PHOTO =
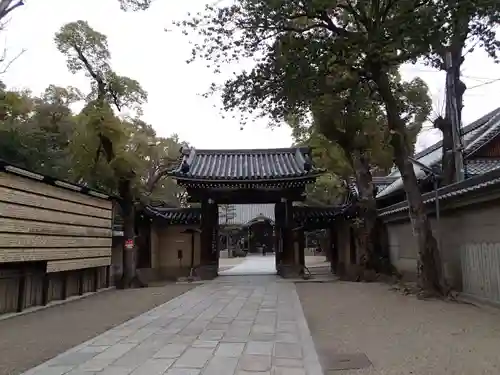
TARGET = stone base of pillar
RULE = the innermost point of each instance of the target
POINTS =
(207, 272)
(290, 271)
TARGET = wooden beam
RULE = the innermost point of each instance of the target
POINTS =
(242, 196)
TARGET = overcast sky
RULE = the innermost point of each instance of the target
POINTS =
(141, 49)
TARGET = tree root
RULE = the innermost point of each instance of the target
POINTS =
(412, 288)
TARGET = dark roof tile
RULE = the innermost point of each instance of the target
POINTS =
(481, 166)
(245, 165)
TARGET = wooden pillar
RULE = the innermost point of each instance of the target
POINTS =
(334, 249)
(301, 258)
(288, 261)
(214, 248)
(21, 291)
(209, 240)
(205, 236)
(279, 217)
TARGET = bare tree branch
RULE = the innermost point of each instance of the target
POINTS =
(3, 59)
(7, 6)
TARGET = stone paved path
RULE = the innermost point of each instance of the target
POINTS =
(234, 325)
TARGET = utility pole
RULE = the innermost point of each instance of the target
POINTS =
(452, 114)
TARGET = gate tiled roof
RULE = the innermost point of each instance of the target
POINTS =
(245, 165)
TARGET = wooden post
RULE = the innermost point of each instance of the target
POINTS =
(214, 213)
(205, 237)
(279, 216)
(301, 243)
(289, 267)
(208, 240)
(21, 291)
(334, 249)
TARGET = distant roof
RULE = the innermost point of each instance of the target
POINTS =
(261, 165)
(241, 214)
(260, 219)
(475, 135)
(482, 183)
(13, 169)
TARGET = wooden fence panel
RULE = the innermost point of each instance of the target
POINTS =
(481, 271)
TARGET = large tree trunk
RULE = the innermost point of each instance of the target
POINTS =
(445, 124)
(430, 268)
(129, 279)
(368, 214)
(460, 33)
(447, 161)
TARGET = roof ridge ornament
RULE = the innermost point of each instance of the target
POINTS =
(302, 154)
(188, 154)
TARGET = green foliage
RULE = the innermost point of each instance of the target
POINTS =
(85, 49)
(329, 188)
(465, 24)
(43, 135)
(293, 41)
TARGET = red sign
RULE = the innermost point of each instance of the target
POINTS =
(129, 244)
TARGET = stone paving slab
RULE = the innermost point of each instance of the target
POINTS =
(232, 326)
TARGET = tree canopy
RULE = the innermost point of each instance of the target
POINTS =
(42, 134)
(327, 48)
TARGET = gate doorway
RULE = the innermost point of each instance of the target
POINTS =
(243, 204)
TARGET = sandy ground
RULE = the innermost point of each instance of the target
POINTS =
(28, 340)
(400, 334)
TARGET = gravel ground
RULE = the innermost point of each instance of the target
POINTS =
(400, 334)
(28, 340)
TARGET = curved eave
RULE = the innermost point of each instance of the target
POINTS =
(193, 180)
